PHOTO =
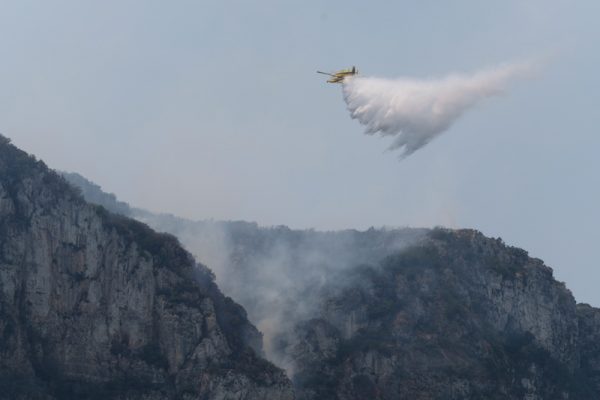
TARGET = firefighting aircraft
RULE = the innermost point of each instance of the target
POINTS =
(339, 76)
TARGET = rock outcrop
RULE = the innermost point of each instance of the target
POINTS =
(94, 305)
(589, 345)
(458, 316)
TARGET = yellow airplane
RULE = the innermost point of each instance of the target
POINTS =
(339, 76)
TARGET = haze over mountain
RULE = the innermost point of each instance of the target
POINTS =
(398, 313)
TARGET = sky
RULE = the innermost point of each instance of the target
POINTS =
(212, 109)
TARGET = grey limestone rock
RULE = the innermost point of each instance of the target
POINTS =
(95, 305)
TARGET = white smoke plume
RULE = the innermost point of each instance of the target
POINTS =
(418, 110)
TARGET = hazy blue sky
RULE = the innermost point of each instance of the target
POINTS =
(213, 109)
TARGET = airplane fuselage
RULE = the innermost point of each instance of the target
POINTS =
(339, 76)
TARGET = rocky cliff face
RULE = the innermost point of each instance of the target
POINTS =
(94, 305)
(403, 314)
(589, 345)
(459, 316)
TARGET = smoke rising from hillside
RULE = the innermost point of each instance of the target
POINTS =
(415, 111)
(280, 276)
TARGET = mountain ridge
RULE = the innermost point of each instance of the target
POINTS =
(95, 305)
(419, 314)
